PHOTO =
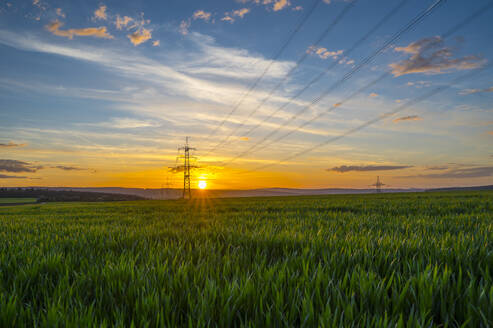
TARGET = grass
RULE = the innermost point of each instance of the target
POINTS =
(17, 200)
(383, 260)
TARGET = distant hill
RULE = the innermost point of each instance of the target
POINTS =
(51, 195)
(463, 188)
(169, 193)
(117, 193)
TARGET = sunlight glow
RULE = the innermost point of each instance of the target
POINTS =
(202, 184)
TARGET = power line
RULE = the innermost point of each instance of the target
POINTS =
(377, 119)
(445, 35)
(281, 82)
(348, 75)
(333, 64)
(267, 68)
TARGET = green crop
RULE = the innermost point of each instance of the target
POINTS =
(382, 260)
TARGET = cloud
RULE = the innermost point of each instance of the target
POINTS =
(10, 144)
(430, 56)
(367, 168)
(122, 22)
(100, 13)
(419, 84)
(323, 52)
(459, 173)
(228, 19)
(156, 43)
(408, 118)
(244, 138)
(229, 16)
(327, 1)
(3, 176)
(98, 32)
(373, 95)
(125, 123)
(210, 75)
(437, 168)
(184, 26)
(68, 168)
(241, 12)
(297, 8)
(490, 132)
(60, 13)
(280, 5)
(140, 36)
(12, 165)
(471, 91)
(200, 14)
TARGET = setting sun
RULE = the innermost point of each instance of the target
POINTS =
(202, 184)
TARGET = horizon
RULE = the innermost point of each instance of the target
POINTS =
(294, 94)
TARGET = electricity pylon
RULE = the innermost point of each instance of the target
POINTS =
(186, 169)
(378, 185)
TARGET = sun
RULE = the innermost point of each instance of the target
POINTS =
(202, 184)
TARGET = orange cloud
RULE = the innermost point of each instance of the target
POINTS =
(408, 118)
(430, 56)
(200, 14)
(280, 5)
(323, 52)
(100, 13)
(140, 36)
(121, 22)
(98, 32)
(156, 43)
(229, 17)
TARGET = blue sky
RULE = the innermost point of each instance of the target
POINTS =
(101, 93)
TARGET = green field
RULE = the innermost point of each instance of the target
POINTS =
(380, 260)
(17, 200)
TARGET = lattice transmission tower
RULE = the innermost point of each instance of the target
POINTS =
(186, 169)
(378, 185)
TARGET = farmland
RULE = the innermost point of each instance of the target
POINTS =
(423, 259)
(17, 200)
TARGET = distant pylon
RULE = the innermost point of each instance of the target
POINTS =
(186, 169)
(378, 185)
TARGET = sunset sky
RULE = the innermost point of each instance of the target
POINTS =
(102, 93)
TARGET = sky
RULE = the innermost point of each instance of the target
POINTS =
(272, 93)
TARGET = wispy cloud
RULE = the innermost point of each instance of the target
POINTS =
(200, 14)
(122, 22)
(100, 13)
(408, 118)
(471, 91)
(125, 123)
(323, 52)
(11, 144)
(185, 26)
(3, 176)
(140, 36)
(458, 173)
(60, 12)
(156, 43)
(280, 5)
(68, 168)
(367, 168)
(431, 56)
(230, 16)
(373, 95)
(98, 32)
(15, 166)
